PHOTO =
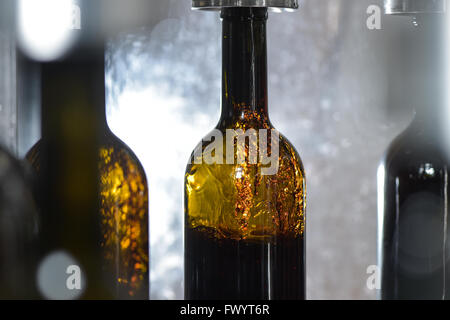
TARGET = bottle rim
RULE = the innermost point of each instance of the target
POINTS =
(413, 7)
(219, 4)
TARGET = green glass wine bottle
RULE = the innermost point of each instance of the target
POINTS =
(91, 188)
(244, 230)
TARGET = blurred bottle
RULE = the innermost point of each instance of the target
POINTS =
(90, 187)
(19, 222)
(19, 228)
(413, 178)
(8, 124)
(245, 230)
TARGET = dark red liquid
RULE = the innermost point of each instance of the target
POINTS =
(243, 269)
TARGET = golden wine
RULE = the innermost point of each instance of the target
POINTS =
(244, 231)
(124, 217)
(123, 213)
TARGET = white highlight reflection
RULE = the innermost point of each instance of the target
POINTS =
(381, 176)
(44, 27)
(52, 277)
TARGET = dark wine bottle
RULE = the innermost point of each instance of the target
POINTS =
(91, 188)
(413, 178)
(19, 221)
(244, 230)
(19, 231)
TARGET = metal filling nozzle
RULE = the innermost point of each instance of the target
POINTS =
(412, 7)
(219, 4)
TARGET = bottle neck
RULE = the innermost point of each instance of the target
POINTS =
(73, 86)
(244, 66)
(73, 90)
(429, 92)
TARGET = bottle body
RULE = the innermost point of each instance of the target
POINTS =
(414, 215)
(244, 232)
(122, 217)
(19, 232)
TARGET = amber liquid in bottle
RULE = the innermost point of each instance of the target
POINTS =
(244, 231)
(79, 159)
(413, 178)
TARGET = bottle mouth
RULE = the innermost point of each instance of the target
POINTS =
(220, 4)
(244, 13)
(414, 7)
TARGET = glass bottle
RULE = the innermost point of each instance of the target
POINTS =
(19, 231)
(91, 188)
(244, 230)
(19, 221)
(413, 179)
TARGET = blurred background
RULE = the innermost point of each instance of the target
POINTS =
(335, 90)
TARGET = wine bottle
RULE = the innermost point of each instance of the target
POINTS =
(413, 178)
(244, 230)
(91, 188)
(19, 231)
(19, 222)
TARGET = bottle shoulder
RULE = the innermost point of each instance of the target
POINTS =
(241, 197)
(33, 155)
(111, 150)
(219, 137)
(413, 153)
(416, 142)
(291, 150)
(17, 205)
